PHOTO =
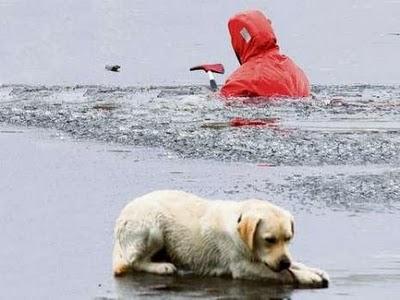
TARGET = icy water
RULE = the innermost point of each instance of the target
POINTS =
(339, 125)
(332, 160)
(343, 128)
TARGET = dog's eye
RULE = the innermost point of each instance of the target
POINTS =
(270, 240)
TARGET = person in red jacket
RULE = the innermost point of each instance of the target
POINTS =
(264, 71)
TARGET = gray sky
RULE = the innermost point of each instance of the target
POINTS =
(155, 42)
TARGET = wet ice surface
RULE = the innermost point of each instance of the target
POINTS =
(333, 161)
(59, 200)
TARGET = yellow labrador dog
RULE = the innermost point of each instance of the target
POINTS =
(247, 239)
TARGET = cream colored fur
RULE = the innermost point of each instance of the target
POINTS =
(210, 238)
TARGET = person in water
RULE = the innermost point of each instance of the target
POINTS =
(263, 71)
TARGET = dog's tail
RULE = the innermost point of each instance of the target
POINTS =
(119, 263)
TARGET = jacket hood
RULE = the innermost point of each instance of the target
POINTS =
(251, 34)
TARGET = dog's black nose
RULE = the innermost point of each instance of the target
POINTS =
(284, 264)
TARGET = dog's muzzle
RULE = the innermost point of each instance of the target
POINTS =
(284, 264)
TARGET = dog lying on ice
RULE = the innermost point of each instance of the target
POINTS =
(246, 240)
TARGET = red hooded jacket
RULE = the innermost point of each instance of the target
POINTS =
(264, 71)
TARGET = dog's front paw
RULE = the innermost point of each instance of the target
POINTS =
(309, 277)
(322, 274)
(164, 268)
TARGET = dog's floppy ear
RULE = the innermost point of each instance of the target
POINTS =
(247, 227)
(292, 225)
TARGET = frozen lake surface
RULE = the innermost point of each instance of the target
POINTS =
(156, 42)
(59, 199)
(333, 160)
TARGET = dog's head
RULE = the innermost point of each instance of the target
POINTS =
(267, 230)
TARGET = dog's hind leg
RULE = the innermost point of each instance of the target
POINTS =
(135, 245)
